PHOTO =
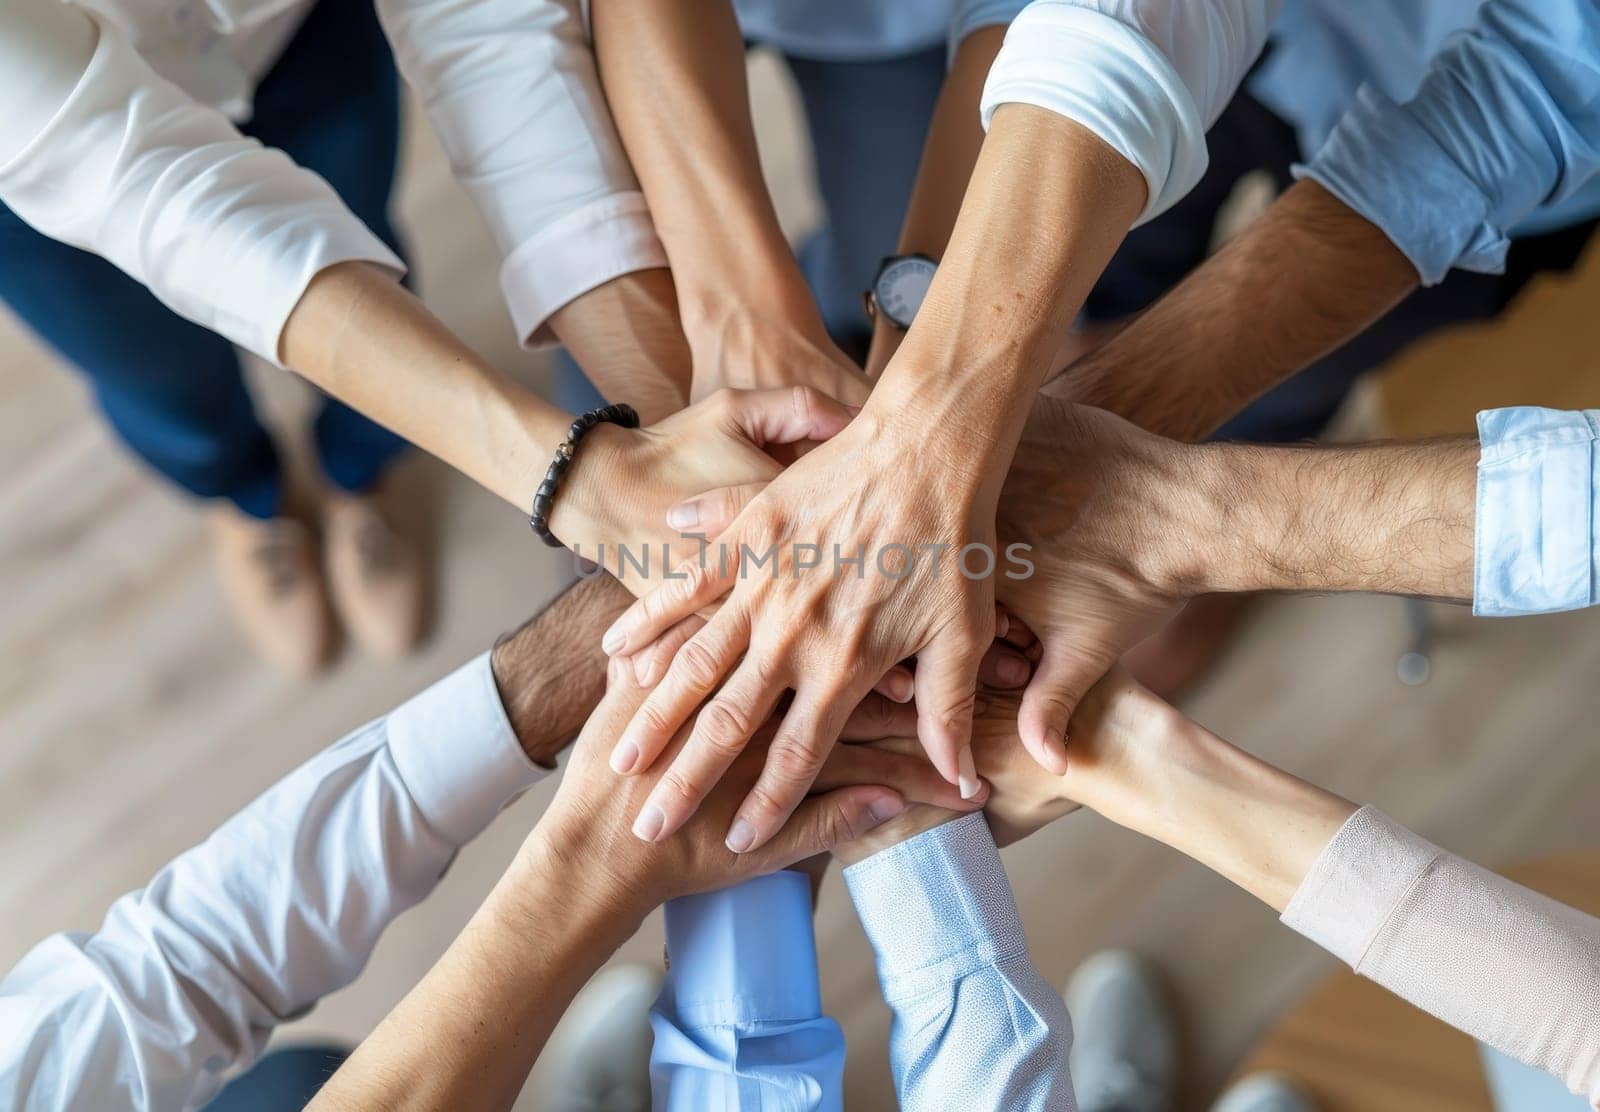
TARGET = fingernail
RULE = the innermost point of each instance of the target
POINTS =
(1012, 669)
(624, 757)
(741, 836)
(685, 515)
(882, 810)
(967, 773)
(613, 640)
(647, 827)
(900, 688)
(1002, 623)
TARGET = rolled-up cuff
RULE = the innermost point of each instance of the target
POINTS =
(1356, 883)
(588, 247)
(1534, 543)
(1389, 168)
(936, 907)
(457, 753)
(1107, 77)
(744, 955)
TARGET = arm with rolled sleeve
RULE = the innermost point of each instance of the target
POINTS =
(1506, 120)
(1536, 549)
(739, 1023)
(975, 1025)
(1148, 77)
(125, 164)
(186, 979)
(511, 88)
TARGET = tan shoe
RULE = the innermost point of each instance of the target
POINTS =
(273, 579)
(375, 573)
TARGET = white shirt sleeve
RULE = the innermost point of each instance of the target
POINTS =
(512, 91)
(1511, 968)
(185, 979)
(1146, 76)
(226, 232)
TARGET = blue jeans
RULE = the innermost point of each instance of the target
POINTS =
(282, 1081)
(174, 391)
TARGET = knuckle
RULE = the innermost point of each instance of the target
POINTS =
(725, 728)
(837, 825)
(797, 759)
(768, 806)
(697, 664)
(654, 719)
(679, 785)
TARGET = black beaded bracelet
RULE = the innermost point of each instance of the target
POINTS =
(545, 496)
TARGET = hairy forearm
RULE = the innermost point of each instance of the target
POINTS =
(1392, 518)
(466, 1036)
(1306, 277)
(551, 673)
(628, 339)
(1047, 205)
(674, 75)
(370, 343)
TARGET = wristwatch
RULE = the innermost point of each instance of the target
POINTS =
(897, 292)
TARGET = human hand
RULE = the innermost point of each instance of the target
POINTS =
(746, 347)
(1121, 733)
(612, 505)
(585, 829)
(803, 622)
(1113, 519)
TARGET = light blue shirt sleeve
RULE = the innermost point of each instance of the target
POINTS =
(975, 1025)
(1506, 120)
(739, 1023)
(1535, 541)
(973, 15)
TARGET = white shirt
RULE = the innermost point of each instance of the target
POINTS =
(1498, 131)
(185, 979)
(139, 161)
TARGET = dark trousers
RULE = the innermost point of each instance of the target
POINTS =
(175, 392)
(282, 1081)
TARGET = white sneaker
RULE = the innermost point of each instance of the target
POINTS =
(1264, 1092)
(1125, 1042)
(598, 1057)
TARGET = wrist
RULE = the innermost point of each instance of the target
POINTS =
(914, 820)
(583, 514)
(1217, 495)
(1246, 820)
(559, 865)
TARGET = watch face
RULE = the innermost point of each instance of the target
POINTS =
(901, 288)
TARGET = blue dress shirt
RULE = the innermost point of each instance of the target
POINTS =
(739, 1024)
(1452, 125)
(1535, 534)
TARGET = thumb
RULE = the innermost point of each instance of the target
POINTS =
(1060, 681)
(946, 689)
(787, 415)
(824, 822)
(710, 514)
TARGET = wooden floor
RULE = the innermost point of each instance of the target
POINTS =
(132, 720)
